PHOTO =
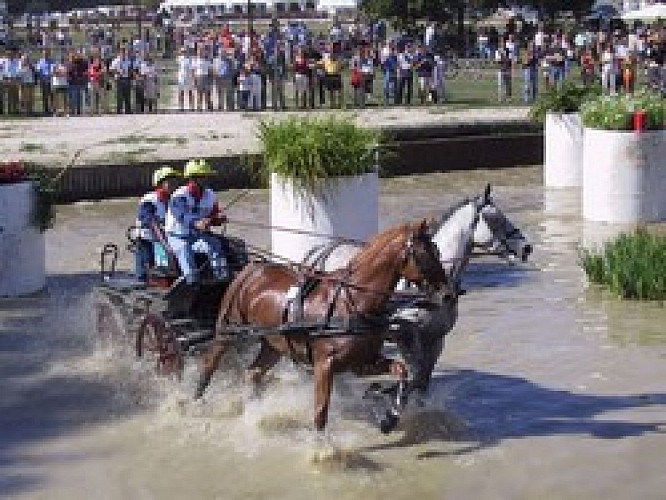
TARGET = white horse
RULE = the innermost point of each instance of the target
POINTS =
(472, 223)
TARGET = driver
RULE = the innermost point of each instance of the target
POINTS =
(150, 220)
(192, 211)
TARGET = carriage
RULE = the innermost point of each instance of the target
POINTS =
(349, 317)
(165, 318)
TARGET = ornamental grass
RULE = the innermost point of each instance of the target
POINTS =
(308, 151)
(567, 98)
(616, 112)
(633, 266)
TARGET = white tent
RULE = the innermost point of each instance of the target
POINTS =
(651, 12)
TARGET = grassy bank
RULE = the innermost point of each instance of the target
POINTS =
(633, 266)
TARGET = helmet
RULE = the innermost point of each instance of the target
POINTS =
(162, 173)
(197, 168)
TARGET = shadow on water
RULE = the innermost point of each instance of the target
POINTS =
(38, 404)
(496, 407)
(494, 273)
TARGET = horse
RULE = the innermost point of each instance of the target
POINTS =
(260, 296)
(471, 224)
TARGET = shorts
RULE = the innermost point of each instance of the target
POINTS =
(334, 82)
(300, 82)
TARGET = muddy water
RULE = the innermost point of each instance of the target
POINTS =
(548, 388)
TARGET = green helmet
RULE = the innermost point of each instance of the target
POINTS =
(162, 173)
(198, 168)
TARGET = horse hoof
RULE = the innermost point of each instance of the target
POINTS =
(388, 423)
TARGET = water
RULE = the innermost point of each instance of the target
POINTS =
(548, 387)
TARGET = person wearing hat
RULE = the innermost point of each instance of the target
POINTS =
(151, 216)
(192, 210)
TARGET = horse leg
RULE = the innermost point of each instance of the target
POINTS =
(210, 362)
(323, 381)
(391, 417)
(266, 359)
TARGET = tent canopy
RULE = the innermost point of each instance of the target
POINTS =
(651, 12)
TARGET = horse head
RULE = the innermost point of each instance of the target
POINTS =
(495, 234)
(421, 263)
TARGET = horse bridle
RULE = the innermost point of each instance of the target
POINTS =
(423, 261)
(501, 243)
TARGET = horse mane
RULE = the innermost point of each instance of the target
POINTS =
(446, 214)
(378, 242)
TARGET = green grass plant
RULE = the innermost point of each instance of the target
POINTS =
(633, 266)
(308, 151)
(616, 112)
(567, 98)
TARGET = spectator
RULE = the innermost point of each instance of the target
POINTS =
(356, 82)
(77, 80)
(59, 87)
(424, 69)
(27, 85)
(224, 68)
(185, 80)
(439, 79)
(333, 78)
(44, 71)
(405, 76)
(138, 81)
(202, 70)
(300, 80)
(151, 83)
(12, 81)
(278, 74)
(504, 66)
(121, 68)
(530, 64)
(390, 73)
(608, 70)
(96, 85)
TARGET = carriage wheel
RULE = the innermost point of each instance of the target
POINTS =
(155, 341)
(110, 324)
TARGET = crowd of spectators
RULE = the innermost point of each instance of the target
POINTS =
(614, 59)
(220, 69)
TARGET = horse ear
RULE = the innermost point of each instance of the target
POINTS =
(486, 193)
(424, 228)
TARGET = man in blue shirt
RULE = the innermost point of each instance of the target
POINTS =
(389, 70)
(44, 70)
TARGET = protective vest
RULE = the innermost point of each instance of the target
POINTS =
(160, 207)
(184, 210)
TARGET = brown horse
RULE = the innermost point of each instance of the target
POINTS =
(259, 297)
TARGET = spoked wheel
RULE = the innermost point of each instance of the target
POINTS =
(110, 323)
(155, 341)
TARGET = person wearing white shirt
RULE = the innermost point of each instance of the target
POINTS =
(27, 84)
(121, 68)
(3, 89)
(185, 80)
(12, 80)
(405, 76)
(59, 87)
(608, 71)
(202, 67)
(224, 69)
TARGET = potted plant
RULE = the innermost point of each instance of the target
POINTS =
(624, 170)
(323, 179)
(563, 133)
(26, 211)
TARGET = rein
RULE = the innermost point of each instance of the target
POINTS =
(341, 239)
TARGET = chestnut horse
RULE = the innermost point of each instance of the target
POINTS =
(259, 296)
